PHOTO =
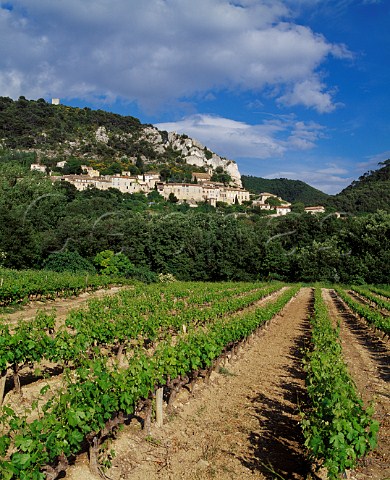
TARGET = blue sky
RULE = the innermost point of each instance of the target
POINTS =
(287, 88)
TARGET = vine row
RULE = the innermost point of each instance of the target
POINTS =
(372, 316)
(21, 286)
(373, 299)
(336, 427)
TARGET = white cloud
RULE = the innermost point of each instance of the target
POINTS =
(156, 51)
(309, 92)
(270, 139)
(269, 143)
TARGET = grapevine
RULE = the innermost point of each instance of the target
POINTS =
(337, 429)
(372, 316)
(99, 390)
(21, 286)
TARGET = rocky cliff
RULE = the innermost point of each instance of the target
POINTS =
(192, 151)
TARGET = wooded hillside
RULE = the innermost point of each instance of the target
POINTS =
(368, 194)
(291, 190)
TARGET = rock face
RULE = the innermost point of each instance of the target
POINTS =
(192, 151)
(101, 135)
(147, 143)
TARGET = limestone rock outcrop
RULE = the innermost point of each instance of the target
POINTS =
(192, 151)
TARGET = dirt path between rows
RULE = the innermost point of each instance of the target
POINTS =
(368, 361)
(243, 425)
(62, 306)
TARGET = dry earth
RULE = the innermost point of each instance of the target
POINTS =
(61, 306)
(243, 425)
(368, 360)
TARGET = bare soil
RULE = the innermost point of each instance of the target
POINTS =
(61, 306)
(31, 386)
(244, 424)
(368, 360)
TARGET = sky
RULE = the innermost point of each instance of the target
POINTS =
(295, 89)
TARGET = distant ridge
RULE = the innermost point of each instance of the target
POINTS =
(291, 190)
(371, 192)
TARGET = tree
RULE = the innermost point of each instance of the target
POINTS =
(68, 262)
(113, 169)
(298, 207)
(172, 198)
(109, 263)
(140, 164)
(221, 176)
(73, 167)
(154, 196)
(273, 201)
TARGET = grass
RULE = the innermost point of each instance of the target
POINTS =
(225, 371)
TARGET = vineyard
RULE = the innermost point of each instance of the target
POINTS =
(68, 384)
(22, 286)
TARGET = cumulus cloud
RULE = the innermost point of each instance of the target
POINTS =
(309, 92)
(269, 139)
(157, 51)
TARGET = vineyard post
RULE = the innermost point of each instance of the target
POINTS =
(16, 378)
(159, 407)
(93, 457)
(2, 385)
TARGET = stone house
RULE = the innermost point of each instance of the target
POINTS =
(314, 210)
(283, 209)
(37, 167)
(200, 177)
(189, 192)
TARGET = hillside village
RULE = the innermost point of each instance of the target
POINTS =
(51, 223)
(203, 189)
(119, 152)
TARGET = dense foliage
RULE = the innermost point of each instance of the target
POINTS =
(46, 225)
(291, 190)
(58, 133)
(28, 124)
(368, 194)
(41, 220)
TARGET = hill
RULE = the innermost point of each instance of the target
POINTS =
(112, 143)
(291, 190)
(106, 141)
(371, 192)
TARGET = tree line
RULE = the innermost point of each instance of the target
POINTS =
(41, 221)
